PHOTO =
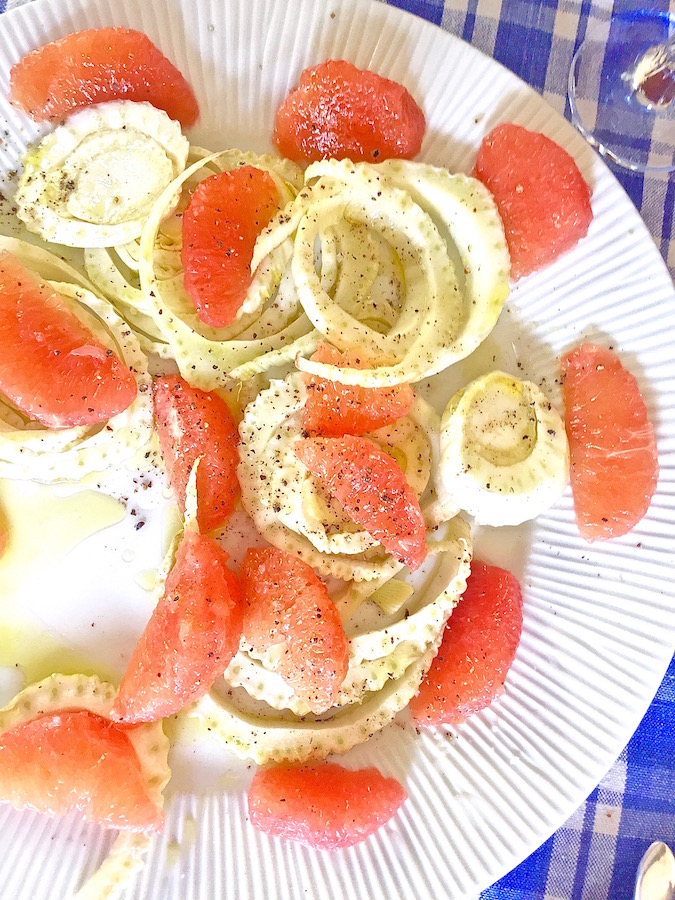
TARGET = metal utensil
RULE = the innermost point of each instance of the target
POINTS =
(655, 878)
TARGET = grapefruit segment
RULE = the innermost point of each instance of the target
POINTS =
(96, 65)
(323, 806)
(333, 409)
(541, 196)
(614, 460)
(341, 111)
(287, 604)
(76, 760)
(191, 424)
(52, 368)
(479, 644)
(372, 490)
(190, 639)
(223, 218)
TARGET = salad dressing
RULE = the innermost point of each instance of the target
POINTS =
(146, 579)
(43, 525)
(35, 653)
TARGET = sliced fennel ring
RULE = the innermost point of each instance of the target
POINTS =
(108, 273)
(258, 732)
(381, 647)
(438, 585)
(31, 451)
(504, 453)
(286, 502)
(453, 222)
(269, 687)
(93, 180)
(430, 305)
(81, 692)
(427, 271)
(466, 215)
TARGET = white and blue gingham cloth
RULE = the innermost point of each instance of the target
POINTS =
(595, 853)
(537, 39)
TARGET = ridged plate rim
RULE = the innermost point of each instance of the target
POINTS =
(485, 796)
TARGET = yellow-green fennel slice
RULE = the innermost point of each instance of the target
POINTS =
(92, 181)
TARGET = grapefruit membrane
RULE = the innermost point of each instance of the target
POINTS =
(95, 65)
(60, 752)
(224, 216)
(287, 607)
(614, 459)
(94, 752)
(333, 409)
(191, 424)
(28, 451)
(541, 195)
(478, 647)
(341, 111)
(324, 806)
(53, 368)
(372, 489)
(190, 638)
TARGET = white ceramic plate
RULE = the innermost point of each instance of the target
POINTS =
(599, 620)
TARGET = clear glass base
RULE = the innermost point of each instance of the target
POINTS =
(632, 128)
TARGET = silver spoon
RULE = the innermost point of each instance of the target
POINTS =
(655, 878)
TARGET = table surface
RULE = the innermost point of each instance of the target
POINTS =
(593, 856)
(595, 853)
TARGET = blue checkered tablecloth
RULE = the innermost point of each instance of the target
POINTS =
(595, 853)
(537, 39)
(593, 856)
